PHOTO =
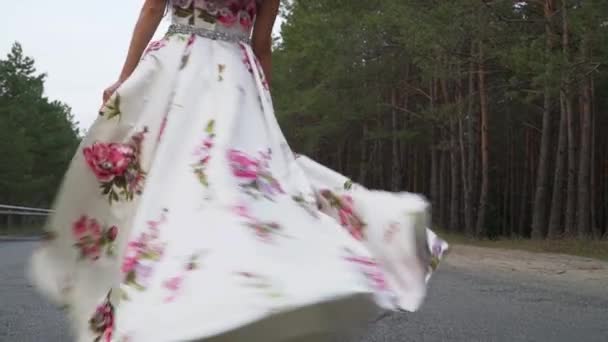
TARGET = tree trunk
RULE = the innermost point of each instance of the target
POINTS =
(363, 166)
(483, 102)
(597, 233)
(434, 161)
(514, 182)
(570, 215)
(434, 180)
(583, 224)
(454, 203)
(472, 150)
(443, 189)
(396, 153)
(539, 211)
(523, 213)
(339, 153)
(555, 229)
(463, 165)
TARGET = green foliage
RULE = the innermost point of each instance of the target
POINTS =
(37, 136)
(372, 88)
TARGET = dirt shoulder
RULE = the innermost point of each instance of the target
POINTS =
(559, 268)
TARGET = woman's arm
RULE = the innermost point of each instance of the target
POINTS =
(261, 41)
(149, 18)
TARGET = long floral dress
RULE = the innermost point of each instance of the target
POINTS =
(184, 214)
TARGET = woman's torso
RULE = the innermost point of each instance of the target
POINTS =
(230, 16)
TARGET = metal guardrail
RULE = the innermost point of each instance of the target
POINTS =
(21, 218)
(24, 209)
(22, 213)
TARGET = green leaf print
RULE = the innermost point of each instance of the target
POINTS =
(112, 108)
(221, 68)
(210, 127)
(183, 12)
(207, 17)
(434, 262)
(348, 185)
(203, 153)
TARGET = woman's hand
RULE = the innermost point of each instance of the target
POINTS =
(107, 93)
(150, 16)
(110, 90)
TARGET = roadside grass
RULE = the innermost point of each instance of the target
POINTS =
(584, 248)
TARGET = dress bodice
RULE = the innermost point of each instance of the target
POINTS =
(235, 17)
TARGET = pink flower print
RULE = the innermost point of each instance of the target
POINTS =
(245, 19)
(91, 238)
(371, 270)
(156, 45)
(93, 252)
(174, 283)
(208, 143)
(163, 124)
(245, 57)
(266, 231)
(348, 219)
(79, 228)
(342, 207)
(251, 8)
(254, 175)
(108, 160)
(226, 17)
(242, 211)
(143, 254)
(129, 263)
(235, 7)
(243, 166)
(190, 41)
(134, 179)
(117, 167)
(95, 228)
(102, 322)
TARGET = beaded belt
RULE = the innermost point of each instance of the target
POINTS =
(207, 33)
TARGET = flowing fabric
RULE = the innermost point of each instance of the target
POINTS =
(184, 214)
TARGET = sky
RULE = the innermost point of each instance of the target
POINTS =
(80, 45)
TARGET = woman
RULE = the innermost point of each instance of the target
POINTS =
(184, 215)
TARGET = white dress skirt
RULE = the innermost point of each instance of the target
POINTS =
(184, 214)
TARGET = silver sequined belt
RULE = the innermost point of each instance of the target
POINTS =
(206, 33)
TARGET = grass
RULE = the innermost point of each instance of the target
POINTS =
(583, 248)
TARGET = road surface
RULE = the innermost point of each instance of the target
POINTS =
(464, 304)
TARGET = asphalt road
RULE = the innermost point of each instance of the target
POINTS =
(463, 305)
